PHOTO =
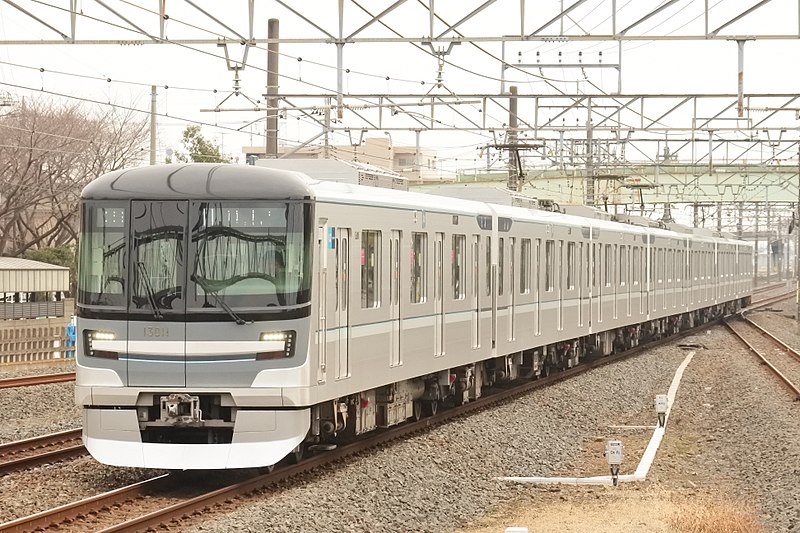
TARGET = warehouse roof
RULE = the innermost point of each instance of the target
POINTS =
(25, 275)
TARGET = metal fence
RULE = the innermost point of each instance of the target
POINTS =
(15, 311)
(34, 331)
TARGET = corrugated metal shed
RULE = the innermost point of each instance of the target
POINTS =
(24, 275)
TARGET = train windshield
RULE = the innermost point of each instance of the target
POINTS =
(250, 255)
(103, 256)
(170, 257)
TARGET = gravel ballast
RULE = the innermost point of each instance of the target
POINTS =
(445, 477)
(38, 410)
(733, 431)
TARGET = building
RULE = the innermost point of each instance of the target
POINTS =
(33, 311)
(379, 151)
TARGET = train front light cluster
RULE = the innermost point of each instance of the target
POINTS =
(95, 344)
(276, 345)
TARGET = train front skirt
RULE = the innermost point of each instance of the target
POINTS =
(260, 438)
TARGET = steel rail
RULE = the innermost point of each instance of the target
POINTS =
(788, 349)
(767, 288)
(42, 448)
(786, 381)
(43, 379)
(45, 519)
(770, 300)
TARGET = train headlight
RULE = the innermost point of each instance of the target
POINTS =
(99, 344)
(276, 345)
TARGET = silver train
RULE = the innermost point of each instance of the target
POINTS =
(231, 316)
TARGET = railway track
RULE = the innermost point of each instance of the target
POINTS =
(43, 379)
(782, 360)
(769, 300)
(153, 504)
(770, 287)
(40, 450)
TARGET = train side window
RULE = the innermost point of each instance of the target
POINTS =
(500, 265)
(623, 267)
(525, 267)
(459, 266)
(637, 260)
(419, 267)
(488, 266)
(608, 269)
(570, 265)
(549, 258)
(370, 269)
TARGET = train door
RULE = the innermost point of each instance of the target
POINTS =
(512, 289)
(157, 347)
(476, 306)
(537, 288)
(626, 266)
(394, 297)
(342, 306)
(438, 292)
(580, 284)
(599, 272)
(614, 277)
(322, 302)
(560, 269)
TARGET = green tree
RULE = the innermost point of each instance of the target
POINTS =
(198, 148)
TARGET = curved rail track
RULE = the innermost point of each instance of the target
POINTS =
(786, 357)
(37, 451)
(42, 379)
(112, 510)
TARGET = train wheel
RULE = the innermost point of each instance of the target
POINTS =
(417, 409)
(298, 453)
(432, 407)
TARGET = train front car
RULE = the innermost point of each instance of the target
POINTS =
(193, 315)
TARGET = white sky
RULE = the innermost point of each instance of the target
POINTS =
(648, 67)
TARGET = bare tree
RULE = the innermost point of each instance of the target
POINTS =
(48, 153)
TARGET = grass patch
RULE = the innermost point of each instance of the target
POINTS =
(716, 516)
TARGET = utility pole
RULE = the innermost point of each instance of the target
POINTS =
(514, 177)
(755, 260)
(589, 180)
(327, 149)
(272, 88)
(153, 96)
(416, 154)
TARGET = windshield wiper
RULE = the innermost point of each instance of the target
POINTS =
(151, 295)
(239, 320)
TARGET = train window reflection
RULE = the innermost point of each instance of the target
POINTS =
(103, 256)
(250, 255)
(459, 266)
(370, 268)
(419, 267)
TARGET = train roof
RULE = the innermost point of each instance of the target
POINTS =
(200, 181)
(226, 181)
